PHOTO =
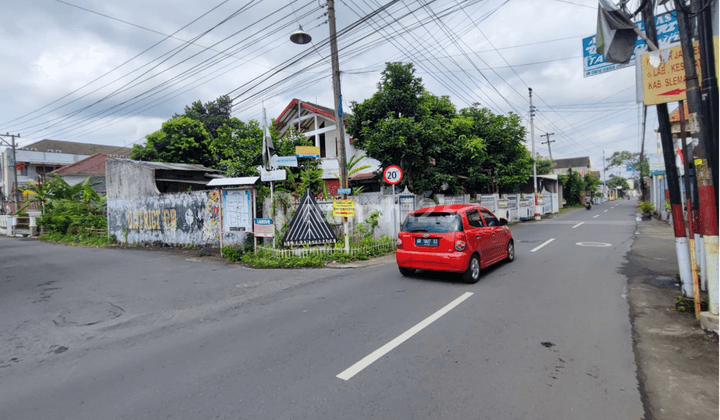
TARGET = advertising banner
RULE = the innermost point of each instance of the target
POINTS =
(594, 63)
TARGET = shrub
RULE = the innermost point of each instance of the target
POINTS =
(230, 253)
(646, 207)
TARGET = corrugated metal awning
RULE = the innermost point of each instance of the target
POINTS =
(222, 182)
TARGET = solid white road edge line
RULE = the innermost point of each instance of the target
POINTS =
(596, 216)
(542, 244)
(578, 225)
(372, 357)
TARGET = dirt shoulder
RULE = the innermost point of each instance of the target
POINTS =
(677, 360)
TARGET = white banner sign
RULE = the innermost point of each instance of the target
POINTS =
(277, 161)
(278, 175)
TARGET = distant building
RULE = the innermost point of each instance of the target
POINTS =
(578, 164)
(93, 167)
(36, 160)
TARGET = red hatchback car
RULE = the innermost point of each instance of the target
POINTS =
(458, 238)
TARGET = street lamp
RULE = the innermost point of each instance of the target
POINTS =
(300, 37)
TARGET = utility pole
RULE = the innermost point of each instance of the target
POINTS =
(337, 92)
(547, 135)
(642, 154)
(709, 88)
(688, 206)
(704, 152)
(532, 137)
(12, 145)
(605, 190)
(338, 110)
(681, 242)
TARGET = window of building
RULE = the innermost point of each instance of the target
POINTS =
(321, 141)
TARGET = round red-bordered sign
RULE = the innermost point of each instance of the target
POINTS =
(392, 174)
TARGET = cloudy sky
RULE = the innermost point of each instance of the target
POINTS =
(112, 72)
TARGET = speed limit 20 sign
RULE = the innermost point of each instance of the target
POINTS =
(392, 174)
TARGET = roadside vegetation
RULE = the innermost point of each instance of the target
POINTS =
(574, 187)
(69, 214)
(363, 247)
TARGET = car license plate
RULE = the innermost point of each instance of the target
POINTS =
(426, 241)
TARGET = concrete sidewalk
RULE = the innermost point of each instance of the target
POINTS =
(677, 360)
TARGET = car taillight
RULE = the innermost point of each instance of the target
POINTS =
(399, 243)
(460, 246)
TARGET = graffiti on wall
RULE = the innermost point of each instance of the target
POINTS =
(211, 229)
(151, 219)
(174, 219)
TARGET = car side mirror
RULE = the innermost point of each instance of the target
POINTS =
(503, 221)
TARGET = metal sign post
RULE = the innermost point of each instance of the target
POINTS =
(393, 175)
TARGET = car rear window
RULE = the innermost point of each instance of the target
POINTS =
(432, 222)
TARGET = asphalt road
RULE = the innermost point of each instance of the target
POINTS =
(135, 334)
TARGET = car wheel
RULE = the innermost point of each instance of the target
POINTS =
(406, 271)
(472, 275)
(510, 251)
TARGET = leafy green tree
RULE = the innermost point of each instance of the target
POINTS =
(238, 147)
(507, 162)
(211, 114)
(403, 124)
(544, 166)
(621, 158)
(573, 187)
(180, 140)
(618, 181)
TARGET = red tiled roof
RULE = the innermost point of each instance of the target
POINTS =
(358, 177)
(94, 165)
(318, 109)
(675, 116)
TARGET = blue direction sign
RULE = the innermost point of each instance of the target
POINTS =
(344, 191)
(594, 63)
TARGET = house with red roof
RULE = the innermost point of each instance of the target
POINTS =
(318, 124)
(93, 167)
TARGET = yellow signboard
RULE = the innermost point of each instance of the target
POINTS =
(307, 151)
(663, 74)
(344, 208)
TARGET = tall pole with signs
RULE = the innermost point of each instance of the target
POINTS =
(338, 110)
(393, 175)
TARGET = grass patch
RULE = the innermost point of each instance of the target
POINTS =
(87, 240)
(264, 258)
(683, 304)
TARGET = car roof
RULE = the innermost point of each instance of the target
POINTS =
(448, 208)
